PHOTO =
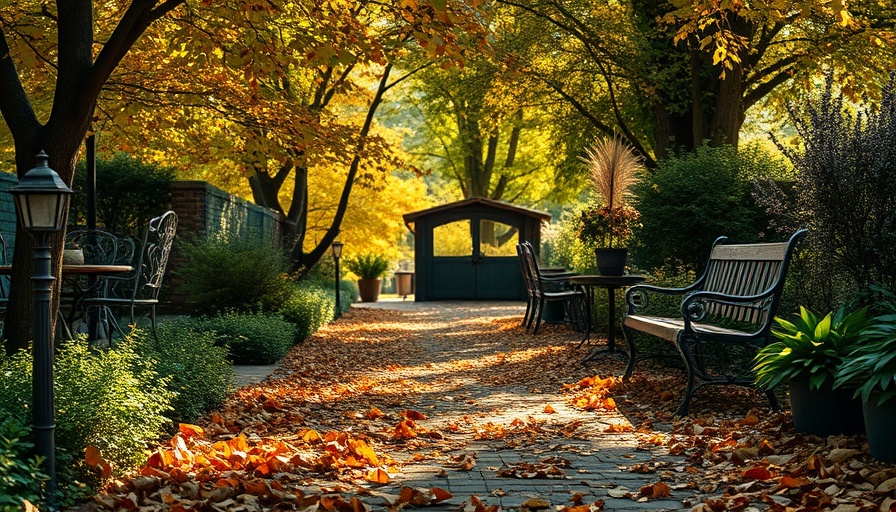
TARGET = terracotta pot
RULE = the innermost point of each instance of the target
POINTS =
(369, 289)
(825, 411)
(611, 261)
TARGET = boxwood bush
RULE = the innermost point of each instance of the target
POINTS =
(229, 273)
(20, 475)
(190, 365)
(250, 338)
(112, 399)
(693, 199)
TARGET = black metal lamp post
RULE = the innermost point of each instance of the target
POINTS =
(41, 199)
(337, 253)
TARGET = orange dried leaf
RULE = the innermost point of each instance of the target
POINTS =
(190, 431)
(374, 413)
(377, 476)
(311, 436)
(414, 415)
(92, 456)
(757, 473)
(440, 495)
(548, 409)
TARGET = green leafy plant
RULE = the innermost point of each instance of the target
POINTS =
(196, 371)
(311, 305)
(250, 338)
(871, 366)
(129, 193)
(614, 168)
(20, 475)
(810, 347)
(694, 198)
(111, 399)
(368, 265)
(228, 273)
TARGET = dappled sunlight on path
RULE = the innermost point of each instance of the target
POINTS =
(454, 406)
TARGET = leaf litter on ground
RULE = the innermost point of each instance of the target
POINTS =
(346, 411)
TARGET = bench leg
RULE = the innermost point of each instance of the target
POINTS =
(684, 349)
(632, 353)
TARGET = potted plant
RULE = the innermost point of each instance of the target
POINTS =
(614, 168)
(369, 268)
(808, 356)
(870, 369)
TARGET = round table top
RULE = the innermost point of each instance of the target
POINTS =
(81, 269)
(607, 281)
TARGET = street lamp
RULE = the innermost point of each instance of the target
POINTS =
(41, 199)
(337, 253)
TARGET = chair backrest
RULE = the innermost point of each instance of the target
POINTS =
(745, 270)
(153, 257)
(99, 246)
(524, 268)
(127, 249)
(532, 269)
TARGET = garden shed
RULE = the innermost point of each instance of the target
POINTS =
(466, 250)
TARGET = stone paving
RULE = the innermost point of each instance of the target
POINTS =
(594, 463)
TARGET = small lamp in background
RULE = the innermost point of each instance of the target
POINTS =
(41, 199)
(337, 253)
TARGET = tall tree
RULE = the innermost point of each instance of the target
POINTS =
(75, 45)
(304, 94)
(695, 67)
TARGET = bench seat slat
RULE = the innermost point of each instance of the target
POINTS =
(668, 328)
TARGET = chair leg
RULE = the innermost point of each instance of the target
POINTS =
(538, 315)
(536, 312)
(773, 400)
(528, 311)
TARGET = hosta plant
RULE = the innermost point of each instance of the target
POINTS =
(368, 266)
(870, 367)
(811, 346)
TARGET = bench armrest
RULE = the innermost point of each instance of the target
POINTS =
(693, 307)
(636, 296)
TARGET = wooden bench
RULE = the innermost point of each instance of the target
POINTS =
(740, 287)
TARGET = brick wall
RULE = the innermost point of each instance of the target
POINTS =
(204, 210)
(201, 210)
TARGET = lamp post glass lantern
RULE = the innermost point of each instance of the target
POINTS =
(337, 253)
(41, 199)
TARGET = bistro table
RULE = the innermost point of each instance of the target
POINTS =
(611, 284)
(90, 270)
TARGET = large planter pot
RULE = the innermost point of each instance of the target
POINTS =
(369, 289)
(879, 421)
(611, 261)
(825, 411)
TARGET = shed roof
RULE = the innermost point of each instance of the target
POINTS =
(490, 203)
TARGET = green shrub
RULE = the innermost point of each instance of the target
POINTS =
(20, 475)
(129, 193)
(693, 199)
(368, 265)
(250, 338)
(111, 399)
(192, 367)
(562, 246)
(310, 307)
(846, 181)
(229, 273)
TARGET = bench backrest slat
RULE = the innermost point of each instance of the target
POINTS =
(744, 269)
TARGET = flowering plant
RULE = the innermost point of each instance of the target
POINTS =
(603, 226)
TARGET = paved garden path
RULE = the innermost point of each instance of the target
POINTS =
(509, 449)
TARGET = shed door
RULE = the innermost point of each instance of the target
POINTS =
(476, 259)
